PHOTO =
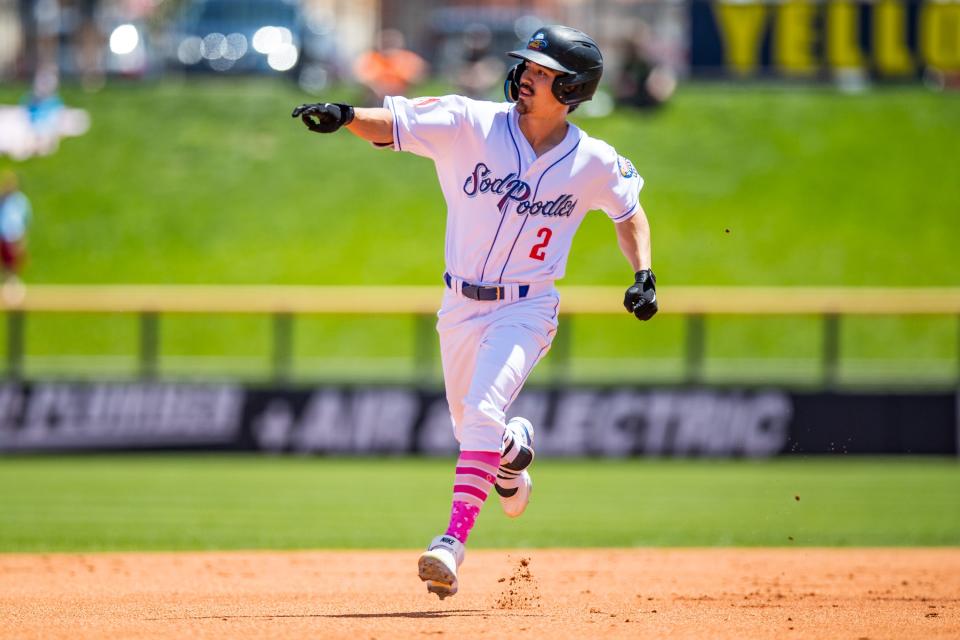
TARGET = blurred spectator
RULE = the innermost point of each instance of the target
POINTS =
(89, 42)
(35, 126)
(643, 82)
(43, 103)
(480, 70)
(389, 69)
(14, 218)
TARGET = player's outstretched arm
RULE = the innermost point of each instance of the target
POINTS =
(374, 125)
(633, 236)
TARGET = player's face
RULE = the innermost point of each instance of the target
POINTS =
(536, 95)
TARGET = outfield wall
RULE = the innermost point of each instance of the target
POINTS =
(396, 420)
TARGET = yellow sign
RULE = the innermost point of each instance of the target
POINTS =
(802, 38)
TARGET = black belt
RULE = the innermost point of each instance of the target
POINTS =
(478, 292)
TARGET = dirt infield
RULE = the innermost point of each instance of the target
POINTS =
(649, 593)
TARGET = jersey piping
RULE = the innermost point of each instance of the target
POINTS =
(396, 125)
(506, 206)
(624, 215)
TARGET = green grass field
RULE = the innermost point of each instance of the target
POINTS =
(239, 502)
(215, 183)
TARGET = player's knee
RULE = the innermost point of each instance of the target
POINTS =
(482, 424)
(482, 412)
(480, 437)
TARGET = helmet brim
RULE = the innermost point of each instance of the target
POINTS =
(539, 58)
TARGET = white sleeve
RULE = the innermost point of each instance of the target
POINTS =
(620, 190)
(426, 126)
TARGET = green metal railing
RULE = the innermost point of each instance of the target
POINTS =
(284, 304)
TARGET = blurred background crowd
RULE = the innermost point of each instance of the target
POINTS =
(387, 45)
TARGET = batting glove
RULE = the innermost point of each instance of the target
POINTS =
(641, 298)
(324, 117)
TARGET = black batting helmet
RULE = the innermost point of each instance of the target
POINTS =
(571, 52)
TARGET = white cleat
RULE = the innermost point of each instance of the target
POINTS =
(439, 563)
(514, 484)
(516, 502)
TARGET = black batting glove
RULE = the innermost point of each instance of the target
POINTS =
(641, 298)
(324, 117)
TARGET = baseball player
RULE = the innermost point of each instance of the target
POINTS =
(518, 178)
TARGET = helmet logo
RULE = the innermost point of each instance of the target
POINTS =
(537, 42)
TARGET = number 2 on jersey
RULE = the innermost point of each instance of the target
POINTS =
(537, 251)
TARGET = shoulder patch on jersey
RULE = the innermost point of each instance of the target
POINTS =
(423, 102)
(626, 167)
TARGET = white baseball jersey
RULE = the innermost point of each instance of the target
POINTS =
(511, 216)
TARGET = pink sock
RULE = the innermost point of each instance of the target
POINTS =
(476, 473)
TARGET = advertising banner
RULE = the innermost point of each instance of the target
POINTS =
(397, 420)
(803, 39)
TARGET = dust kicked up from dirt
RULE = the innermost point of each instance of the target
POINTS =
(520, 590)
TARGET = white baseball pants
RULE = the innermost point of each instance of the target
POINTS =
(488, 349)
